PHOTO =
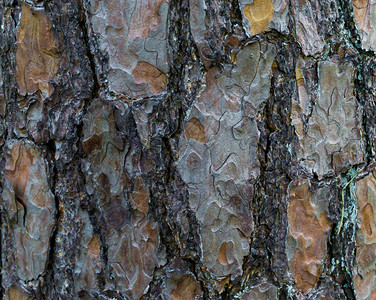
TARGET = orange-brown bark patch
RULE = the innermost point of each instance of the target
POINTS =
(186, 288)
(259, 13)
(94, 246)
(140, 196)
(37, 58)
(309, 232)
(193, 129)
(154, 78)
(145, 17)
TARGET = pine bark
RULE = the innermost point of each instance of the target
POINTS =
(187, 149)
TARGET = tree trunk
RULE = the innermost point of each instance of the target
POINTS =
(188, 149)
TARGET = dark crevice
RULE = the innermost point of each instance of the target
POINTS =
(84, 23)
(342, 246)
(365, 71)
(49, 269)
(276, 136)
(90, 204)
(166, 187)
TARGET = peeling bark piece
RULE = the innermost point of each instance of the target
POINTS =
(147, 73)
(105, 150)
(199, 30)
(186, 287)
(365, 269)
(261, 291)
(89, 263)
(208, 23)
(16, 293)
(176, 282)
(309, 227)
(30, 207)
(333, 139)
(140, 196)
(306, 27)
(37, 62)
(313, 20)
(193, 129)
(305, 74)
(132, 237)
(37, 58)
(261, 15)
(365, 20)
(132, 254)
(134, 34)
(217, 156)
(145, 18)
(180, 283)
(141, 115)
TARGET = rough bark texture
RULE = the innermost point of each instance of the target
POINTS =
(188, 149)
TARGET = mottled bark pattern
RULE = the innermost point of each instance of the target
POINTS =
(188, 149)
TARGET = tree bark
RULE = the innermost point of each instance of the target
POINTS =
(188, 149)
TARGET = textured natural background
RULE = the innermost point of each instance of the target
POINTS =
(188, 149)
